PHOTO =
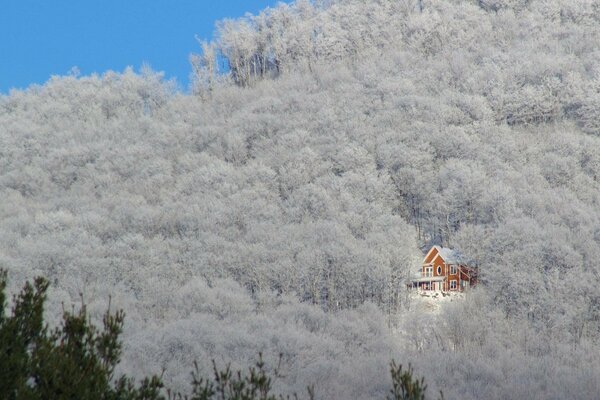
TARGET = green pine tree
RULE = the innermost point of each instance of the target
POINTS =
(74, 361)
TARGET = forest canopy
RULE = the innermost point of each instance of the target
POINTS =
(282, 203)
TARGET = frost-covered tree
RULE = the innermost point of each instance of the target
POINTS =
(286, 205)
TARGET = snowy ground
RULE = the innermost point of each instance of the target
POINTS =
(433, 302)
(422, 315)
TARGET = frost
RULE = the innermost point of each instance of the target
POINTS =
(282, 206)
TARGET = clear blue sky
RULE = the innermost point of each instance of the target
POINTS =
(40, 38)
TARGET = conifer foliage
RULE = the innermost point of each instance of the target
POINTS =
(77, 361)
(283, 206)
(73, 361)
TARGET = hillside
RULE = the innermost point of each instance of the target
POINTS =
(280, 205)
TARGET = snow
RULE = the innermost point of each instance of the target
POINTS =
(432, 302)
(451, 256)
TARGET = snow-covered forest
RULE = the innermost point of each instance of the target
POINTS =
(280, 205)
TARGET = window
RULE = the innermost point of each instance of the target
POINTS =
(439, 270)
(428, 271)
(452, 285)
(453, 270)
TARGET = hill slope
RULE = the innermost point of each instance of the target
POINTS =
(283, 199)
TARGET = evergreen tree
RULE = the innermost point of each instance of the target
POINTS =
(73, 361)
(77, 361)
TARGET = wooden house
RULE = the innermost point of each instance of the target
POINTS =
(444, 270)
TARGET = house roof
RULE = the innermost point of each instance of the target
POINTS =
(451, 256)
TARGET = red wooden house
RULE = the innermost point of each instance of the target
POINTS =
(444, 270)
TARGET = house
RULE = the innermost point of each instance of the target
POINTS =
(444, 270)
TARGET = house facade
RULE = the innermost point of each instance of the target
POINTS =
(444, 270)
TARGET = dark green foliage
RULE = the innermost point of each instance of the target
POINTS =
(257, 385)
(77, 361)
(227, 385)
(404, 386)
(73, 361)
(19, 335)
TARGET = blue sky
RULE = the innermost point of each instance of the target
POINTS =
(40, 38)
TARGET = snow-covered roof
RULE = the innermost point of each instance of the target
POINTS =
(451, 256)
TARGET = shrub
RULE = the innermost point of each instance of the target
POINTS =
(77, 361)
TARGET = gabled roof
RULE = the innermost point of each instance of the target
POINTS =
(450, 256)
(431, 254)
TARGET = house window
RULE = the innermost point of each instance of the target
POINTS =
(428, 271)
(453, 270)
(439, 270)
(452, 285)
